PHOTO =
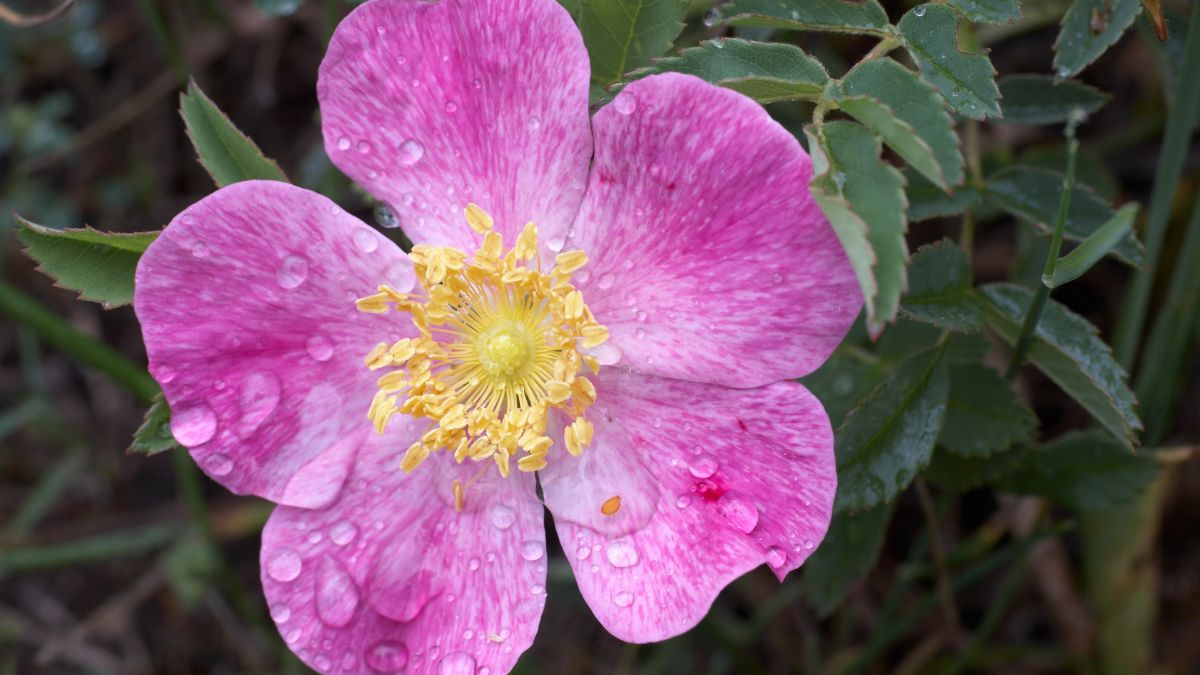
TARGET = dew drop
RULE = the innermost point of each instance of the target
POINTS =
(776, 557)
(343, 143)
(319, 347)
(808, 544)
(621, 553)
(200, 250)
(386, 216)
(343, 532)
(218, 464)
(281, 614)
(738, 512)
(534, 123)
(919, 11)
(532, 550)
(456, 663)
(473, 564)
(607, 353)
(194, 425)
(258, 398)
(777, 277)
(451, 106)
(387, 656)
(363, 147)
(537, 589)
(623, 598)
(411, 152)
(337, 596)
(292, 272)
(642, 315)
(322, 663)
(556, 243)
(625, 103)
(583, 552)
(502, 517)
(285, 566)
(683, 501)
(366, 240)
(605, 281)
(164, 374)
(703, 466)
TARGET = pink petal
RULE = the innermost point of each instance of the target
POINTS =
(247, 308)
(432, 105)
(710, 260)
(391, 578)
(744, 477)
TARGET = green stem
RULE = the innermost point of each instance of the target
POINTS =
(1180, 123)
(1029, 327)
(49, 327)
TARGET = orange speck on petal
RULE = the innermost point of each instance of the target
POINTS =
(611, 505)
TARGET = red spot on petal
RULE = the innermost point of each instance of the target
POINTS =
(709, 489)
(742, 425)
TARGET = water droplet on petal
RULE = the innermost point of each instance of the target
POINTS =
(337, 596)
(363, 147)
(366, 240)
(683, 501)
(738, 512)
(502, 517)
(776, 556)
(285, 565)
(703, 466)
(451, 106)
(218, 464)
(194, 425)
(607, 354)
(537, 589)
(625, 103)
(532, 550)
(319, 347)
(456, 663)
(292, 272)
(200, 250)
(281, 614)
(583, 552)
(473, 564)
(621, 553)
(387, 656)
(343, 143)
(259, 397)
(411, 152)
(343, 532)
(605, 281)
(623, 598)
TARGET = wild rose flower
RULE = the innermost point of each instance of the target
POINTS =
(616, 306)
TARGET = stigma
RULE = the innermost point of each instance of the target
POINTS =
(501, 343)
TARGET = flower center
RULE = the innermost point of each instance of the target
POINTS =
(498, 348)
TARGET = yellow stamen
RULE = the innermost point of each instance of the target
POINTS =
(496, 350)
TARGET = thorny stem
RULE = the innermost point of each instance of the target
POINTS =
(1043, 293)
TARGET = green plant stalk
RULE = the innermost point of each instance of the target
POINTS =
(49, 327)
(1120, 577)
(101, 547)
(1029, 326)
(1181, 121)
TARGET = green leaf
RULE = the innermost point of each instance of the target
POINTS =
(226, 153)
(835, 16)
(1089, 28)
(848, 552)
(889, 437)
(984, 415)
(939, 289)
(767, 72)
(988, 11)
(1087, 471)
(956, 472)
(907, 114)
(906, 337)
(154, 436)
(966, 81)
(98, 265)
(842, 381)
(1074, 264)
(926, 200)
(856, 188)
(1033, 194)
(572, 7)
(1068, 350)
(624, 35)
(1040, 99)
(278, 7)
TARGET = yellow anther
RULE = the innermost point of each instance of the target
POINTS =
(495, 350)
(456, 488)
(610, 505)
(565, 264)
(478, 219)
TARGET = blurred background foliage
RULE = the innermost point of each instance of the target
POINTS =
(111, 563)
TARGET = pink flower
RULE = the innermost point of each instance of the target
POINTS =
(687, 459)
